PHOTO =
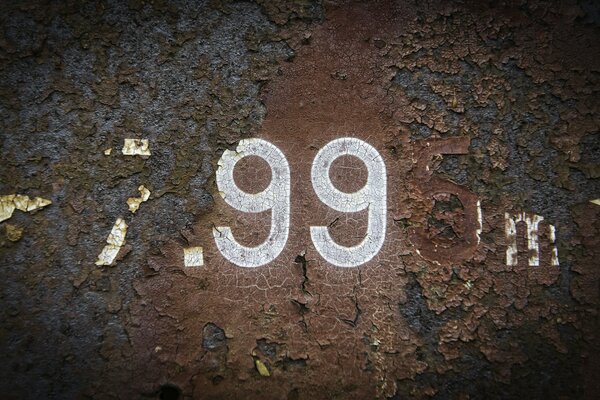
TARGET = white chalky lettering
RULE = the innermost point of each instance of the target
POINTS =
(275, 197)
(372, 197)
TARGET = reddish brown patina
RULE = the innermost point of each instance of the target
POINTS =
(324, 331)
(486, 117)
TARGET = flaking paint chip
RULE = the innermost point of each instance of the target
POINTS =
(108, 151)
(10, 202)
(595, 201)
(193, 257)
(134, 202)
(136, 147)
(261, 368)
(114, 242)
(14, 233)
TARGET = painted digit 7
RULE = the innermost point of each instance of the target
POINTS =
(430, 186)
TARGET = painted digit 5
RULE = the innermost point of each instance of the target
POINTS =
(275, 197)
(371, 196)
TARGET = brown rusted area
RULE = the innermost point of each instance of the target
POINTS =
(324, 331)
(505, 95)
(465, 223)
(585, 284)
(252, 174)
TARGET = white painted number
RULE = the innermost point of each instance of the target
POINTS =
(275, 197)
(372, 196)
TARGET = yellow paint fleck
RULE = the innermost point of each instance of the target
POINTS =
(193, 257)
(10, 202)
(261, 368)
(115, 240)
(595, 201)
(13, 233)
(108, 151)
(134, 202)
(136, 147)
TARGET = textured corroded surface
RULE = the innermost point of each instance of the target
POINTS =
(499, 101)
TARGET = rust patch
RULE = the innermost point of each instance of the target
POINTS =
(472, 107)
(360, 322)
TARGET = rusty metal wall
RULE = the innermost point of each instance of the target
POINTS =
(482, 113)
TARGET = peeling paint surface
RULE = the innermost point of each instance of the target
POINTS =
(134, 202)
(385, 199)
(135, 147)
(12, 202)
(13, 232)
(193, 257)
(114, 242)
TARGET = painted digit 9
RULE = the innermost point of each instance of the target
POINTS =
(372, 197)
(275, 197)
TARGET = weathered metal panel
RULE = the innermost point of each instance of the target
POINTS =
(293, 200)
